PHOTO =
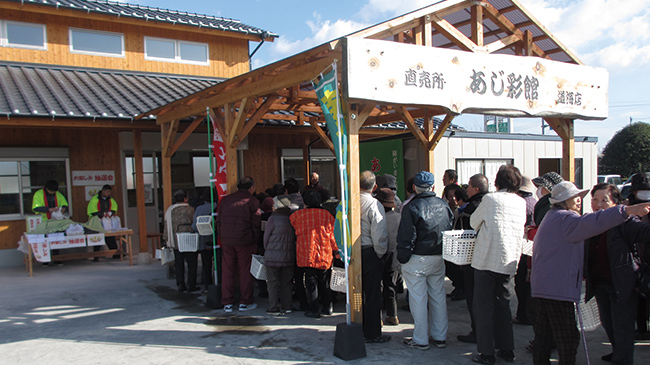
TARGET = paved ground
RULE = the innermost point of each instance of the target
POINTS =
(110, 313)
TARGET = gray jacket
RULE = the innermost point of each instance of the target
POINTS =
(279, 239)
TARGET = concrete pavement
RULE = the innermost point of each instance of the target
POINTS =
(112, 313)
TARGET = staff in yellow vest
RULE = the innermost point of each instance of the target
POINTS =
(103, 205)
(48, 200)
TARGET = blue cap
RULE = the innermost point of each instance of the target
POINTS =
(423, 179)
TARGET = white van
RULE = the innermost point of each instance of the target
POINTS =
(610, 179)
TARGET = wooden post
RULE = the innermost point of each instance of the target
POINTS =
(306, 164)
(165, 160)
(139, 191)
(477, 25)
(354, 218)
(568, 153)
(428, 152)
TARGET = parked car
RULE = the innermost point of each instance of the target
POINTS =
(610, 179)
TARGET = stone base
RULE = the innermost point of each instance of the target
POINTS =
(144, 258)
(348, 343)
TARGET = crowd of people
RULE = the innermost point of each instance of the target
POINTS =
(596, 253)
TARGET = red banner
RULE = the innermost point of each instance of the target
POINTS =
(219, 151)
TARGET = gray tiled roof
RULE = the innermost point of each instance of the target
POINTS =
(147, 13)
(45, 90)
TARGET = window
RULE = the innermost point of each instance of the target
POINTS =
(169, 50)
(96, 43)
(489, 168)
(23, 35)
(21, 177)
(150, 172)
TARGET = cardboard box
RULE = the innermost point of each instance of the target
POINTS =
(77, 241)
(32, 221)
(57, 241)
(95, 239)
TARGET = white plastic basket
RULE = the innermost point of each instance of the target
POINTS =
(589, 313)
(527, 247)
(258, 270)
(187, 242)
(337, 282)
(204, 225)
(458, 246)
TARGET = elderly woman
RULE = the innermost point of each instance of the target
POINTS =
(500, 220)
(558, 256)
(611, 277)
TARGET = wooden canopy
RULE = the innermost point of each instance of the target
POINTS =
(239, 104)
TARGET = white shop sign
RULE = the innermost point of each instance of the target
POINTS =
(85, 178)
(478, 83)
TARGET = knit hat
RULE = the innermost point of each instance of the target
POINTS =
(386, 197)
(424, 179)
(548, 180)
(564, 191)
(282, 201)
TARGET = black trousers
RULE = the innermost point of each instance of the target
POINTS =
(618, 320)
(299, 287)
(492, 312)
(522, 288)
(455, 274)
(371, 268)
(317, 285)
(207, 266)
(180, 258)
(389, 286)
(468, 274)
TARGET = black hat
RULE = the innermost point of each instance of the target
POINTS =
(640, 182)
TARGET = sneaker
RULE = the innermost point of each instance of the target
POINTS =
(468, 338)
(247, 307)
(458, 294)
(227, 308)
(607, 358)
(507, 355)
(287, 311)
(484, 359)
(391, 321)
(380, 339)
(274, 311)
(412, 344)
(438, 344)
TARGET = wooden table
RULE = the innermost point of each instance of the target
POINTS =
(123, 238)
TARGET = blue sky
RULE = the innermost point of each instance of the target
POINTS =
(613, 34)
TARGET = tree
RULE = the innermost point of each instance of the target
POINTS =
(628, 151)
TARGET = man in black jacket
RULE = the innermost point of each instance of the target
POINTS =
(419, 249)
(476, 190)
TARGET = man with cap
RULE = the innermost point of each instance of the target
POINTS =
(558, 258)
(419, 249)
(374, 244)
(391, 266)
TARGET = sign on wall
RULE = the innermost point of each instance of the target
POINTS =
(92, 191)
(466, 82)
(384, 157)
(89, 178)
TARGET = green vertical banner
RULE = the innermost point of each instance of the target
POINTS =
(384, 157)
(328, 96)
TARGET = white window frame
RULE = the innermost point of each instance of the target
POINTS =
(177, 51)
(464, 179)
(103, 54)
(4, 41)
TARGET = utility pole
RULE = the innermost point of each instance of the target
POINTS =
(630, 120)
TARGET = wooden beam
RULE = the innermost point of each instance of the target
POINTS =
(139, 191)
(306, 163)
(84, 123)
(169, 138)
(411, 20)
(323, 136)
(183, 137)
(502, 43)
(240, 120)
(453, 34)
(528, 43)
(413, 127)
(440, 131)
(362, 112)
(477, 25)
(264, 85)
(217, 121)
(252, 121)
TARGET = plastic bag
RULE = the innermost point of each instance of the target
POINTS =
(74, 230)
(106, 224)
(116, 223)
(57, 215)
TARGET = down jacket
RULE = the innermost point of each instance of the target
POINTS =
(239, 222)
(500, 221)
(420, 230)
(280, 239)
